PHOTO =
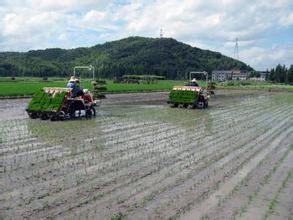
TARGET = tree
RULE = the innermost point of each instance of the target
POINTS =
(272, 76)
(280, 74)
(290, 74)
(267, 75)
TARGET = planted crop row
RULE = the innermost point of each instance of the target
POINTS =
(149, 162)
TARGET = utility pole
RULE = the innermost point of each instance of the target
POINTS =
(161, 33)
(161, 50)
(236, 50)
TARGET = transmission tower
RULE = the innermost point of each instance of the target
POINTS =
(161, 33)
(236, 50)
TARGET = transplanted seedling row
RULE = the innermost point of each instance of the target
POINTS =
(149, 162)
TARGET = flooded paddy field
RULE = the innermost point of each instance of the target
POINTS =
(141, 159)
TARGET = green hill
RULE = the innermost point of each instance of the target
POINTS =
(133, 55)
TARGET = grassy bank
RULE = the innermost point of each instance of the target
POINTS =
(27, 86)
(266, 85)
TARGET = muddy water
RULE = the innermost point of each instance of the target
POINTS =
(141, 159)
(13, 109)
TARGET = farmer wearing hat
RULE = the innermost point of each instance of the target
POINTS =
(77, 91)
(194, 82)
(71, 83)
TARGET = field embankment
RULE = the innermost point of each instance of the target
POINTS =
(25, 87)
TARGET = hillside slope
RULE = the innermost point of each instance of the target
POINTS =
(133, 55)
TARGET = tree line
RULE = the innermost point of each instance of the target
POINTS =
(281, 74)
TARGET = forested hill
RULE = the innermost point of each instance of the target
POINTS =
(133, 55)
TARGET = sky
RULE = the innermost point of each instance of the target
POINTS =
(264, 28)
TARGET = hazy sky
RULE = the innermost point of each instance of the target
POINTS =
(264, 27)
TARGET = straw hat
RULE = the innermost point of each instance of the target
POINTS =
(193, 80)
(73, 79)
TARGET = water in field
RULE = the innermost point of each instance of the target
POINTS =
(141, 159)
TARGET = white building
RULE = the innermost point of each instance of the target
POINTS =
(239, 75)
(221, 75)
(263, 75)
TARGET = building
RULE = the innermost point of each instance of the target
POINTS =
(239, 74)
(263, 75)
(256, 79)
(236, 74)
(260, 76)
(221, 75)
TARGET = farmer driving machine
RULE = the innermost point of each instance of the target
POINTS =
(63, 103)
(58, 104)
(190, 95)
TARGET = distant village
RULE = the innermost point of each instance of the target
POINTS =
(236, 74)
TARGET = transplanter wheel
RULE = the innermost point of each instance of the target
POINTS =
(33, 115)
(59, 116)
(206, 104)
(71, 110)
(194, 105)
(44, 116)
(91, 112)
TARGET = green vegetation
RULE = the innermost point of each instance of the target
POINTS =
(178, 96)
(281, 74)
(138, 79)
(99, 87)
(274, 202)
(117, 216)
(23, 86)
(45, 101)
(134, 55)
(153, 77)
(246, 84)
(166, 85)
(28, 86)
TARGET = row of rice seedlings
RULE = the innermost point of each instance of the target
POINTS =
(251, 153)
(252, 184)
(68, 161)
(13, 131)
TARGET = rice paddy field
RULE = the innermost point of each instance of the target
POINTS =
(27, 86)
(141, 159)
